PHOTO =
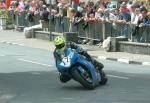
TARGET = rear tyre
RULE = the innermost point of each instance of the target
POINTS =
(104, 78)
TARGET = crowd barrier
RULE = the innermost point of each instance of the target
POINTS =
(96, 30)
(20, 19)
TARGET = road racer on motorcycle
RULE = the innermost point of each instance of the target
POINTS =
(61, 44)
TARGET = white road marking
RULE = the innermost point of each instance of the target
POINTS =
(123, 60)
(118, 77)
(6, 97)
(145, 63)
(18, 44)
(33, 62)
(68, 98)
(7, 42)
(102, 57)
(35, 73)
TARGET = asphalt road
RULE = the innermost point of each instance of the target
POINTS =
(28, 75)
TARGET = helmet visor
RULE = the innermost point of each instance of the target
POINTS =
(60, 46)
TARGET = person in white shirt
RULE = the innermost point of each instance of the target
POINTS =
(135, 29)
(135, 18)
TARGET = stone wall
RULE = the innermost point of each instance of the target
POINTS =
(132, 47)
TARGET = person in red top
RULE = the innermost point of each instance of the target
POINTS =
(76, 1)
(8, 3)
(124, 6)
(75, 4)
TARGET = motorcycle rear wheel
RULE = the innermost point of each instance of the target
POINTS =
(104, 78)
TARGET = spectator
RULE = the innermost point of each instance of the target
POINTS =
(27, 5)
(132, 13)
(136, 17)
(113, 16)
(108, 16)
(44, 13)
(21, 6)
(124, 6)
(124, 18)
(147, 20)
(99, 4)
(124, 15)
(90, 3)
(142, 16)
(114, 20)
(60, 9)
(70, 14)
(64, 10)
(147, 31)
(44, 18)
(78, 17)
(75, 4)
(69, 2)
(146, 24)
(116, 13)
(89, 16)
(89, 12)
(2, 5)
(69, 11)
(129, 5)
(40, 3)
(142, 7)
(120, 1)
(32, 7)
(30, 18)
(99, 14)
(12, 11)
(136, 22)
(79, 12)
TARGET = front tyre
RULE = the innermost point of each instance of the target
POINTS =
(82, 80)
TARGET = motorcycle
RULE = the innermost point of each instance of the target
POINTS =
(79, 68)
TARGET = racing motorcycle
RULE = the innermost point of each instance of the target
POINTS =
(79, 68)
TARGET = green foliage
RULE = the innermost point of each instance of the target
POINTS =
(5, 14)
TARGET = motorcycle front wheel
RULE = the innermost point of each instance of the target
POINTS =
(85, 80)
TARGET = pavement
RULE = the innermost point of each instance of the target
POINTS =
(18, 38)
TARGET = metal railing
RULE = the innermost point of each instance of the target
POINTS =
(96, 30)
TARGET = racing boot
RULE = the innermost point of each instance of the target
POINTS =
(97, 65)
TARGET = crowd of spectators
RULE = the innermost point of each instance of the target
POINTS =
(128, 11)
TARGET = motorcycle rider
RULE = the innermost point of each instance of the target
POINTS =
(61, 44)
